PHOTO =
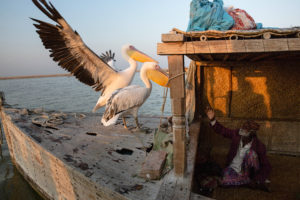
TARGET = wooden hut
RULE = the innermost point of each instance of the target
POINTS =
(242, 75)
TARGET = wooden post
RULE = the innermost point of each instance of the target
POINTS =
(177, 93)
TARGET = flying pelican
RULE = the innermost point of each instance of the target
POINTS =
(72, 54)
(129, 99)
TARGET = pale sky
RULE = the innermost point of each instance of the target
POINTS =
(109, 24)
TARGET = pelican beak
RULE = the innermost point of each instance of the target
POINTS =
(138, 55)
(158, 76)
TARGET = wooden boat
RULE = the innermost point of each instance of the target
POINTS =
(239, 77)
(77, 158)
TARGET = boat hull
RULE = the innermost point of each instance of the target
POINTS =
(48, 175)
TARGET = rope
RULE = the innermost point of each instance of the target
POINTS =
(175, 77)
(49, 120)
(247, 34)
(165, 94)
(163, 105)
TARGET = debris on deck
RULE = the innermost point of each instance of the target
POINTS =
(153, 165)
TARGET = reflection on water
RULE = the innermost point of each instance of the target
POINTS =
(59, 93)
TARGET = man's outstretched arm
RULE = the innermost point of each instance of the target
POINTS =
(217, 127)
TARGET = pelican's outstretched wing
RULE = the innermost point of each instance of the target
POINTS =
(68, 49)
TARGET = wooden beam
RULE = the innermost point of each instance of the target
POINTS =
(260, 57)
(276, 45)
(210, 57)
(179, 188)
(244, 63)
(229, 46)
(294, 44)
(242, 57)
(177, 93)
(226, 57)
(172, 37)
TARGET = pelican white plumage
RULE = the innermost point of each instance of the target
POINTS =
(129, 99)
(71, 53)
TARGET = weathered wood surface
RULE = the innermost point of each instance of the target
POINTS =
(229, 46)
(153, 165)
(178, 187)
(64, 162)
(170, 37)
(69, 164)
(195, 196)
(177, 93)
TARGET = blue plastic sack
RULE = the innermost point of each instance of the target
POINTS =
(206, 15)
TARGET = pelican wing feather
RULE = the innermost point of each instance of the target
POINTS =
(71, 53)
(125, 99)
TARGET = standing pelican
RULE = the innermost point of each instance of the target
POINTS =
(129, 99)
(71, 53)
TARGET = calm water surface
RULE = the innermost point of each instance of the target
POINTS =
(63, 94)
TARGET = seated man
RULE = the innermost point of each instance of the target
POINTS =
(246, 160)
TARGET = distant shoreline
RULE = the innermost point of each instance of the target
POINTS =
(35, 76)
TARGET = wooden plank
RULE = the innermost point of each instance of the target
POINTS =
(153, 165)
(210, 57)
(54, 178)
(260, 57)
(183, 48)
(223, 46)
(276, 45)
(235, 46)
(177, 93)
(226, 57)
(172, 37)
(218, 46)
(176, 70)
(195, 196)
(179, 188)
(178, 105)
(179, 158)
(254, 46)
(242, 57)
(57, 162)
(294, 44)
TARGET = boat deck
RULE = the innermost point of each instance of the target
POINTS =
(108, 156)
(72, 156)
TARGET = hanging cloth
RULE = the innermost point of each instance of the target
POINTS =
(190, 101)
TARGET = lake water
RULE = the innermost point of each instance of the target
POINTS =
(63, 94)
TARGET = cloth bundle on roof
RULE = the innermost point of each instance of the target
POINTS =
(206, 15)
(242, 20)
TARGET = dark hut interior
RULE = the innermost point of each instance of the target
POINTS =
(243, 75)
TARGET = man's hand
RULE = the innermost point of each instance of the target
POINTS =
(210, 113)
